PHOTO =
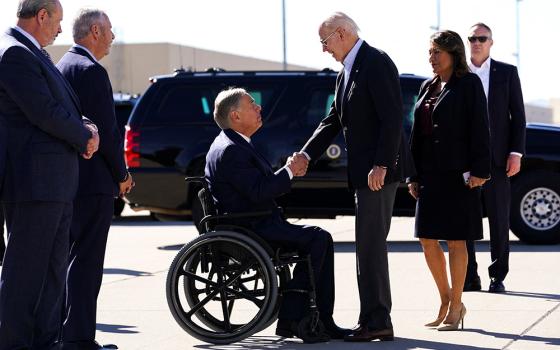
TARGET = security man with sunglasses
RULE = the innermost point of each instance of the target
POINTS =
(507, 138)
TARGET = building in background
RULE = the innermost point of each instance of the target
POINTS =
(131, 65)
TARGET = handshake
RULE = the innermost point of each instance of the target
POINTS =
(297, 163)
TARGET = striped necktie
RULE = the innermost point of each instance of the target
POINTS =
(45, 52)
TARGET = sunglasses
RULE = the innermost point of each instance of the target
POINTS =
(481, 39)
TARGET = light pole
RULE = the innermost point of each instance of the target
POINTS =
(438, 16)
(284, 60)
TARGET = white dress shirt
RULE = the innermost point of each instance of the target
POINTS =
(349, 62)
(28, 36)
(290, 174)
(88, 51)
(483, 73)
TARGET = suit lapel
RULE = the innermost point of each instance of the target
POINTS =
(491, 89)
(50, 65)
(237, 139)
(353, 74)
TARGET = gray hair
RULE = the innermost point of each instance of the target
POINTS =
(30, 8)
(340, 19)
(482, 25)
(84, 20)
(227, 101)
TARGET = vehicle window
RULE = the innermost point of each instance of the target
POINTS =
(410, 97)
(318, 107)
(185, 104)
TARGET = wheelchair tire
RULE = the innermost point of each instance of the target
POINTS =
(213, 272)
(284, 276)
(311, 329)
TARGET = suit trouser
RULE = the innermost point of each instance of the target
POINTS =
(374, 210)
(497, 198)
(318, 244)
(33, 275)
(88, 238)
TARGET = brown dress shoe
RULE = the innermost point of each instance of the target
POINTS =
(363, 334)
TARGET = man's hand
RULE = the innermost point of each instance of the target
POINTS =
(126, 186)
(413, 189)
(376, 178)
(92, 145)
(475, 181)
(513, 164)
(298, 164)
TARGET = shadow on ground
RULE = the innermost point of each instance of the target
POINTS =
(116, 328)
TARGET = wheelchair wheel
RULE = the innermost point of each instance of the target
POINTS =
(284, 276)
(222, 287)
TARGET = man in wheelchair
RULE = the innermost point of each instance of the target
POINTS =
(240, 179)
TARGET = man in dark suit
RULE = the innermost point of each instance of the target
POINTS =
(242, 180)
(368, 109)
(101, 179)
(46, 134)
(507, 129)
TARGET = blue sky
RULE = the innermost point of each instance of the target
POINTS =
(399, 27)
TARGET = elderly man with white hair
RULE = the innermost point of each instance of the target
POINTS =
(368, 110)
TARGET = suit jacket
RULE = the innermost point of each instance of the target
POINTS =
(506, 112)
(102, 173)
(370, 115)
(43, 123)
(241, 179)
(460, 132)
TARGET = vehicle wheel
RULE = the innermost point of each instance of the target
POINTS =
(221, 287)
(118, 207)
(535, 207)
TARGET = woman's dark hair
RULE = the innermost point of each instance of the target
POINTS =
(451, 42)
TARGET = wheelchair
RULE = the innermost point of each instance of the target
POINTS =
(228, 283)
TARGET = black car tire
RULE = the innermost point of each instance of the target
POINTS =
(535, 207)
(118, 207)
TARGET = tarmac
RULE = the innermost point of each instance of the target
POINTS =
(133, 312)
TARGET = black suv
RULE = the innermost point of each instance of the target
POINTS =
(172, 127)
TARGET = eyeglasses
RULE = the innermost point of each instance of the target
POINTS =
(324, 41)
(481, 39)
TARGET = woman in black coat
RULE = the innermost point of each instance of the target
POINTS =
(450, 147)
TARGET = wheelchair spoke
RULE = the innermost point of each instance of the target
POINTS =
(200, 279)
(225, 310)
(202, 303)
(247, 296)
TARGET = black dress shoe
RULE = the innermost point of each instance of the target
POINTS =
(364, 334)
(496, 286)
(291, 329)
(472, 285)
(334, 331)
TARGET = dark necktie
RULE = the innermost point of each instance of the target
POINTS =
(44, 52)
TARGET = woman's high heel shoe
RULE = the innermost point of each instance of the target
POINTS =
(441, 316)
(455, 326)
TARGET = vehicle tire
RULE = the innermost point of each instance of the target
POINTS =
(118, 207)
(535, 207)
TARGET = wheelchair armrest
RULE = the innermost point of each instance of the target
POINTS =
(234, 216)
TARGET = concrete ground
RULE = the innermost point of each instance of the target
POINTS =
(133, 311)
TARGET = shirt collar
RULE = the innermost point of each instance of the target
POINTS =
(351, 57)
(86, 50)
(244, 137)
(484, 65)
(28, 36)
